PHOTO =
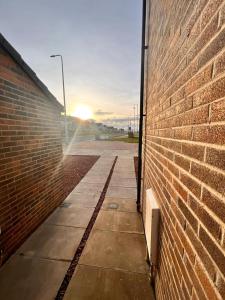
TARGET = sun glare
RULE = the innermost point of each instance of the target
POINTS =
(83, 112)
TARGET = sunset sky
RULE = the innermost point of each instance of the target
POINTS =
(100, 41)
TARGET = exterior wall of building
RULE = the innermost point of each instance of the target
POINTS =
(184, 144)
(30, 156)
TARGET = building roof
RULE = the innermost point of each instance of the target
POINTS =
(19, 60)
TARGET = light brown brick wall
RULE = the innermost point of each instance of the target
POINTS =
(184, 154)
(30, 156)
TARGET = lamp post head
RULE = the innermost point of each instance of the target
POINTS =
(55, 55)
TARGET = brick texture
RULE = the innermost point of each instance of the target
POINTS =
(184, 144)
(30, 156)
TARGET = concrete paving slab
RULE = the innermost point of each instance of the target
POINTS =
(126, 175)
(107, 284)
(121, 204)
(110, 154)
(104, 163)
(111, 249)
(104, 148)
(75, 217)
(123, 182)
(126, 160)
(73, 196)
(124, 171)
(29, 278)
(53, 242)
(82, 200)
(125, 165)
(127, 157)
(130, 222)
(90, 187)
(94, 179)
(107, 163)
(101, 171)
(81, 204)
(87, 193)
(121, 192)
(102, 158)
(99, 174)
(105, 159)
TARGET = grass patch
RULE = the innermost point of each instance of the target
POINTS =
(125, 139)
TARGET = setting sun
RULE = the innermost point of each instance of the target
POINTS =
(83, 112)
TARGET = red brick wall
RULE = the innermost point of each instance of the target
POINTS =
(184, 151)
(30, 155)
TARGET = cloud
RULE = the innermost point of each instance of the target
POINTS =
(99, 112)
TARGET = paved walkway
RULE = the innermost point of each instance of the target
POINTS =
(112, 265)
(102, 148)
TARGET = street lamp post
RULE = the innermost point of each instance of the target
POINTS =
(134, 107)
(137, 119)
(64, 97)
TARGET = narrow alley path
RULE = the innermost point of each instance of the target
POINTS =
(112, 265)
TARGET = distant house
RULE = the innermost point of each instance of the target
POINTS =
(30, 150)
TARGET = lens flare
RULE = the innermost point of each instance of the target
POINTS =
(83, 112)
